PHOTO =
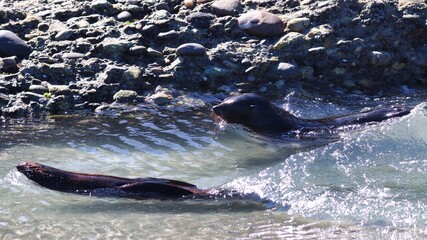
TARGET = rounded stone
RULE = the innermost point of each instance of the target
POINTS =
(288, 71)
(64, 35)
(261, 23)
(191, 49)
(226, 7)
(124, 96)
(124, 16)
(138, 51)
(298, 24)
(12, 45)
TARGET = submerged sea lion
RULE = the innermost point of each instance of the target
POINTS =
(110, 186)
(258, 114)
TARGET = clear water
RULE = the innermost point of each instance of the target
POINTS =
(370, 183)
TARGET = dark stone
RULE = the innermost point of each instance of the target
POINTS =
(8, 65)
(191, 49)
(12, 45)
(138, 51)
(168, 35)
(200, 20)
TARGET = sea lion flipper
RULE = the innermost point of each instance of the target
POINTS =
(156, 189)
(169, 181)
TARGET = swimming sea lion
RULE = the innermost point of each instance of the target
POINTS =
(259, 115)
(110, 186)
(261, 23)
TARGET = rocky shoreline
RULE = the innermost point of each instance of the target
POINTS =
(83, 56)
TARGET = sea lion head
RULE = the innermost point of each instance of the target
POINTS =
(252, 111)
(40, 173)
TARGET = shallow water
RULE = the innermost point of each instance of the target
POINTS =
(368, 183)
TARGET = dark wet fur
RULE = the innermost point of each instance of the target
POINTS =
(259, 115)
(111, 186)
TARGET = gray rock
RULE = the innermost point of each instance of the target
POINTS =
(124, 16)
(168, 35)
(64, 35)
(261, 23)
(288, 71)
(226, 7)
(154, 53)
(40, 89)
(201, 20)
(378, 58)
(59, 89)
(73, 55)
(8, 65)
(12, 45)
(138, 51)
(125, 96)
(160, 98)
(191, 49)
(298, 24)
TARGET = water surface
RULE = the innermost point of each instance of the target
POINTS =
(369, 182)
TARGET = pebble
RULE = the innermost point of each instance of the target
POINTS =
(138, 50)
(154, 53)
(288, 71)
(191, 49)
(226, 7)
(125, 96)
(168, 35)
(64, 35)
(12, 45)
(160, 98)
(261, 23)
(72, 55)
(298, 24)
(124, 16)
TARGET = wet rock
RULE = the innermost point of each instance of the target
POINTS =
(138, 51)
(154, 53)
(8, 65)
(16, 109)
(12, 45)
(298, 24)
(72, 55)
(115, 48)
(200, 19)
(133, 78)
(160, 17)
(58, 104)
(191, 49)
(125, 96)
(288, 71)
(226, 7)
(378, 58)
(168, 35)
(59, 89)
(291, 41)
(124, 16)
(261, 23)
(64, 35)
(40, 89)
(160, 98)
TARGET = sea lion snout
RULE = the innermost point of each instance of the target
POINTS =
(28, 168)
